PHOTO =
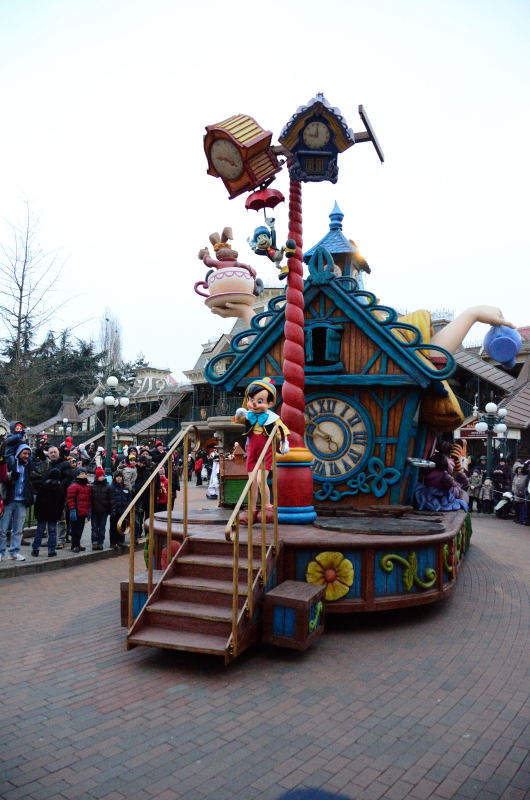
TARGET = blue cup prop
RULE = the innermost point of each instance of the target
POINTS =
(502, 344)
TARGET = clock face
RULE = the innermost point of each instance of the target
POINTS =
(226, 159)
(316, 135)
(338, 434)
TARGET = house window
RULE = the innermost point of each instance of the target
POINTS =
(322, 347)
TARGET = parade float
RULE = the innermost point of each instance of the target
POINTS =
(363, 393)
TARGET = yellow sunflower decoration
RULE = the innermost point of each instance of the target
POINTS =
(333, 571)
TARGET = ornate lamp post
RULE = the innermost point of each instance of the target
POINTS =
(492, 421)
(110, 401)
(117, 433)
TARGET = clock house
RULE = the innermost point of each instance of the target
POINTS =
(367, 374)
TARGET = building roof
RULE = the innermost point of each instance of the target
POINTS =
(67, 411)
(379, 323)
(484, 370)
(517, 404)
(336, 243)
(166, 407)
(345, 137)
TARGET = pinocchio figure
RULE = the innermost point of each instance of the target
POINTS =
(259, 418)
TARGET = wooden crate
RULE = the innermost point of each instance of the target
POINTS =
(139, 594)
(232, 479)
(293, 614)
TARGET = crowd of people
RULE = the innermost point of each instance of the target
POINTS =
(455, 481)
(67, 485)
(506, 493)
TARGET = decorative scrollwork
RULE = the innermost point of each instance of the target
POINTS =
(445, 556)
(410, 570)
(315, 619)
(459, 551)
(376, 481)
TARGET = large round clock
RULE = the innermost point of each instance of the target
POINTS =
(226, 159)
(339, 434)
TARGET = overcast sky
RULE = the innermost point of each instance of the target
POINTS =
(104, 109)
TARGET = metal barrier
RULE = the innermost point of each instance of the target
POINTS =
(232, 534)
(130, 513)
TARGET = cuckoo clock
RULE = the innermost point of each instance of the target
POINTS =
(315, 135)
(239, 152)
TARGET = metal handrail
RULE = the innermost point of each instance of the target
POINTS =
(131, 509)
(232, 527)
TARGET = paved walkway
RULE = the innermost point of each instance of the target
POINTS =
(425, 703)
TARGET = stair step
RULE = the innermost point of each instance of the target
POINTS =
(187, 593)
(204, 584)
(219, 546)
(179, 640)
(187, 609)
(212, 567)
(213, 560)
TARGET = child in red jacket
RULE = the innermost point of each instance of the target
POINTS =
(161, 498)
(78, 500)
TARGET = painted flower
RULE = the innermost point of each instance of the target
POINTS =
(333, 571)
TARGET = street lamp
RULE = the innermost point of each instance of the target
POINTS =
(110, 401)
(492, 421)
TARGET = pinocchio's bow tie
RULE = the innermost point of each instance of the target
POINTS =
(260, 418)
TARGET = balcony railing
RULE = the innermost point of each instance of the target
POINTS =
(222, 408)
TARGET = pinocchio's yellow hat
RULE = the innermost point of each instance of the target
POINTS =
(265, 383)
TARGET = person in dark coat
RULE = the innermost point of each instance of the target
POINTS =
(49, 507)
(15, 437)
(18, 494)
(144, 470)
(78, 501)
(101, 507)
(42, 473)
(158, 452)
(121, 496)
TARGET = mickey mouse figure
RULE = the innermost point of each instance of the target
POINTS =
(259, 418)
(263, 243)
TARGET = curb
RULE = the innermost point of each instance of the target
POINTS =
(48, 564)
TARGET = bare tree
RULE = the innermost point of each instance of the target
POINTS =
(27, 276)
(110, 341)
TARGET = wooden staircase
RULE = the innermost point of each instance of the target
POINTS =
(191, 607)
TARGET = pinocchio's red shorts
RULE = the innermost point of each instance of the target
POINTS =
(256, 443)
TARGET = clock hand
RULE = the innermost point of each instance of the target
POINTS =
(228, 160)
(330, 441)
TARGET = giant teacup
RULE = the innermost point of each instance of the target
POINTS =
(230, 279)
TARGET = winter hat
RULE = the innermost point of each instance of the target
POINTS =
(79, 471)
(22, 447)
(99, 473)
(54, 475)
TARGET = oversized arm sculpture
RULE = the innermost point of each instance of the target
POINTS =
(452, 336)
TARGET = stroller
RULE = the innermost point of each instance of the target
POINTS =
(504, 507)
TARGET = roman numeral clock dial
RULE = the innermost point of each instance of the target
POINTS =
(339, 435)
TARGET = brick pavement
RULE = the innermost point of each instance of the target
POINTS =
(422, 703)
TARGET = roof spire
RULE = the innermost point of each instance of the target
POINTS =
(336, 218)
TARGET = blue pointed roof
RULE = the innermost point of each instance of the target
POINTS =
(334, 241)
